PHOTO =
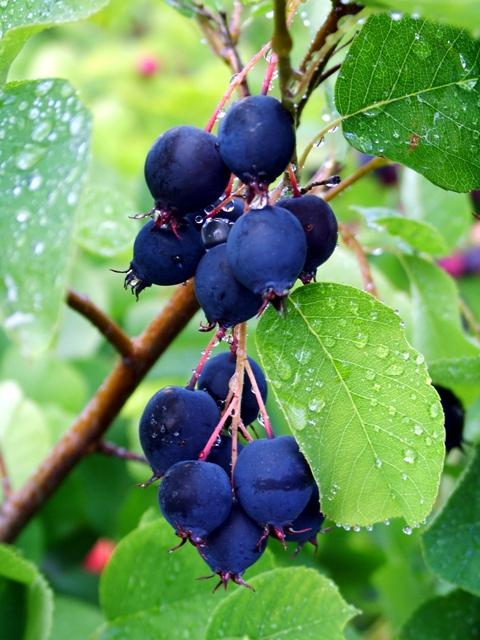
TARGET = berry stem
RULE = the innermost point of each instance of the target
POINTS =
(316, 139)
(263, 411)
(350, 241)
(222, 204)
(117, 338)
(5, 478)
(267, 80)
(373, 164)
(237, 387)
(205, 356)
(113, 450)
(282, 45)
(293, 181)
(205, 452)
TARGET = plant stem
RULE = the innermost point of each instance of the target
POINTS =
(237, 387)
(318, 137)
(470, 319)
(282, 45)
(351, 241)
(6, 484)
(373, 164)
(205, 355)
(113, 450)
(112, 332)
(261, 405)
(89, 427)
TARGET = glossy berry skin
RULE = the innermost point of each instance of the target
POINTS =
(310, 519)
(273, 481)
(454, 418)
(184, 170)
(266, 250)
(320, 226)
(195, 497)
(163, 257)
(221, 454)
(215, 231)
(257, 139)
(234, 546)
(223, 299)
(215, 379)
(175, 426)
(231, 212)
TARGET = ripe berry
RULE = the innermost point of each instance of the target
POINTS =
(454, 418)
(175, 426)
(195, 498)
(163, 257)
(233, 547)
(215, 379)
(221, 296)
(273, 481)
(306, 526)
(321, 230)
(257, 139)
(215, 230)
(266, 250)
(184, 170)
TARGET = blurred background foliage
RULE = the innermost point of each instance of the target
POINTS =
(142, 67)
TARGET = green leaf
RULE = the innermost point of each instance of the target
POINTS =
(74, 619)
(437, 327)
(287, 603)
(22, 19)
(449, 213)
(408, 90)
(356, 396)
(419, 235)
(35, 592)
(24, 435)
(464, 13)
(43, 157)
(456, 371)
(452, 542)
(455, 616)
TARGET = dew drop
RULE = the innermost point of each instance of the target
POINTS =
(284, 370)
(409, 456)
(394, 370)
(407, 531)
(378, 463)
(434, 410)
(417, 430)
(382, 351)
(316, 405)
(370, 374)
(419, 359)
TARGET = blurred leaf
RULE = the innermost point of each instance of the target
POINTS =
(357, 397)
(464, 13)
(38, 601)
(24, 18)
(419, 235)
(455, 616)
(24, 436)
(408, 90)
(43, 155)
(456, 371)
(74, 619)
(449, 213)
(103, 226)
(436, 324)
(452, 541)
(290, 603)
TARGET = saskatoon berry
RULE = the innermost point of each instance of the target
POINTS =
(175, 426)
(233, 547)
(163, 257)
(221, 454)
(221, 296)
(184, 170)
(195, 498)
(257, 139)
(306, 526)
(215, 379)
(273, 481)
(321, 230)
(266, 250)
(215, 230)
(454, 418)
(231, 212)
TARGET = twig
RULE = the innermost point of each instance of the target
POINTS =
(205, 355)
(315, 140)
(237, 388)
(89, 427)
(469, 318)
(117, 338)
(6, 484)
(113, 450)
(373, 164)
(282, 45)
(261, 405)
(350, 241)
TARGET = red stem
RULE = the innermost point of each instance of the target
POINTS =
(261, 405)
(205, 356)
(205, 452)
(293, 181)
(267, 80)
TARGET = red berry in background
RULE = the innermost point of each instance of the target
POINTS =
(99, 555)
(147, 66)
(454, 265)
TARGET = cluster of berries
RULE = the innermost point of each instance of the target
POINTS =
(243, 254)
(227, 514)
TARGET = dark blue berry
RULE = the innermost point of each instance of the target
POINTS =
(257, 139)
(195, 498)
(454, 418)
(175, 426)
(233, 547)
(320, 226)
(273, 481)
(184, 170)
(215, 231)
(306, 526)
(223, 299)
(163, 257)
(215, 379)
(266, 250)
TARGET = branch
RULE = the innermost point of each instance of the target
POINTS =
(85, 307)
(114, 451)
(350, 241)
(5, 479)
(89, 427)
(282, 45)
(374, 163)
